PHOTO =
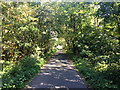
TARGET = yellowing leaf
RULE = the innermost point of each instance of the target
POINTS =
(81, 11)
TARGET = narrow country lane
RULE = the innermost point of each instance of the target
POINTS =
(57, 73)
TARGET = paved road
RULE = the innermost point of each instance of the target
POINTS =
(57, 73)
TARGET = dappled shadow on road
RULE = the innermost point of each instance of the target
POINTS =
(57, 73)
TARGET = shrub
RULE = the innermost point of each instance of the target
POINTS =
(99, 75)
(17, 74)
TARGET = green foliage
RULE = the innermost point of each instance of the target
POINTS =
(25, 45)
(91, 31)
(92, 34)
(21, 34)
(97, 76)
(17, 75)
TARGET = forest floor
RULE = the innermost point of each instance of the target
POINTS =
(59, 72)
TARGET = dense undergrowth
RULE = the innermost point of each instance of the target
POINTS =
(17, 75)
(90, 30)
(92, 35)
(99, 75)
(26, 43)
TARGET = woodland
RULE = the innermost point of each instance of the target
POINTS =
(89, 33)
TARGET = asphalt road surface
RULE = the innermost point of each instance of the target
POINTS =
(59, 72)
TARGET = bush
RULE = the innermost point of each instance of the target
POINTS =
(16, 75)
(99, 75)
